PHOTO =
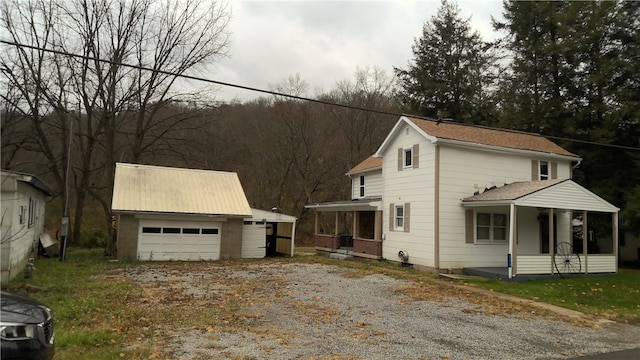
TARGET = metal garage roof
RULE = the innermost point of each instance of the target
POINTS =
(146, 188)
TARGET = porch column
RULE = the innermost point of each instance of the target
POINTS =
(355, 224)
(585, 234)
(614, 225)
(552, 247)
(377, 232)
(293, 236)
(317, 230)
(511, 238)
(336, 227)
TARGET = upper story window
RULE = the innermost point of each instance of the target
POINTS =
(544, 170)
(361, 185)
(491, 228)
(408, 157)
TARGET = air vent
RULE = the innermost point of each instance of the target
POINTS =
(403, 255)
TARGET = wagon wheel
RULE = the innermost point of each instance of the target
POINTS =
(566, 260)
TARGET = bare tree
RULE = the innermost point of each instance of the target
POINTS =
(372, 89)
(116, 110)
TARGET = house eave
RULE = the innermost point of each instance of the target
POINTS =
(353, 205)
(504, 149)
(145, 212)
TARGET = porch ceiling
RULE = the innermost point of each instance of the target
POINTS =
(371, 204)
(556, 194)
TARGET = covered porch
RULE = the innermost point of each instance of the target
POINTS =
(553, 228)
(349, 228)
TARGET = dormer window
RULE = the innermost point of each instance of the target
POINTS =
(361, 185)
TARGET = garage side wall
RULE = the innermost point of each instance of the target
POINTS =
(231, 245)
(127, 243)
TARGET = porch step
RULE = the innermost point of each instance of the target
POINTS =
(340, 256)
(344, 250)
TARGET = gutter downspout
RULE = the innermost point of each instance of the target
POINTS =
(511, 233)
(574, 167)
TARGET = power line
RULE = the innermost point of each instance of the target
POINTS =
(190, 77)
(269, 92)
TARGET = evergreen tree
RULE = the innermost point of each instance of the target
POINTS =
(575, 73)
(450, 70)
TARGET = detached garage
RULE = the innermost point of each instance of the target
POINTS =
(165, 214)
(173, 214)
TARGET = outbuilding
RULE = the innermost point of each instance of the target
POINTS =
(24, 199)
(166, 214)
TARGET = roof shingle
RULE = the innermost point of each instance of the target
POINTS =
(489, 136)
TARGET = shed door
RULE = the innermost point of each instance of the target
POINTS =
(254, 236)
(161, 240)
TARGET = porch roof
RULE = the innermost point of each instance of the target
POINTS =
(556, 194)
(364, 204)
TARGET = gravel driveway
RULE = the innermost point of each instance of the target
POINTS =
(316, 311)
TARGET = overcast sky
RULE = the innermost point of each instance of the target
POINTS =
(327, 41)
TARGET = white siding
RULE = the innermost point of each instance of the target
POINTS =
(534, 264)
(567, 192)
(372, 184)
(528, 232)
(599, 264)
(414, 186)
(19, 239)
(254, 240)
(462, 172)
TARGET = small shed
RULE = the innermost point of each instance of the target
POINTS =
(24, 199)
(268, 233)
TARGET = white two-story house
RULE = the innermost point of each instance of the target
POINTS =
(449, 196)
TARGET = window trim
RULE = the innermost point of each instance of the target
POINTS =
(544, 175)
(492, 227)
(398, 220)
(32, 212)
(407, 157)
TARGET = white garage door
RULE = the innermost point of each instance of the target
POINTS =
(161, 240)
(254, 240)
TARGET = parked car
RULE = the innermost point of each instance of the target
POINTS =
(26, 329)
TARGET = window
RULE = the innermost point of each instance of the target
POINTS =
(209, 231)
(32, 212)
(170, 230)
(191, 231)
(408, 157)
(151, 230)
(544, 170)
(399, 217)
(361, 185)
(491, 227)
(23, 214)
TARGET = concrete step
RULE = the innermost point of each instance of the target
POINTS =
(344, 250)
(340, 256)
